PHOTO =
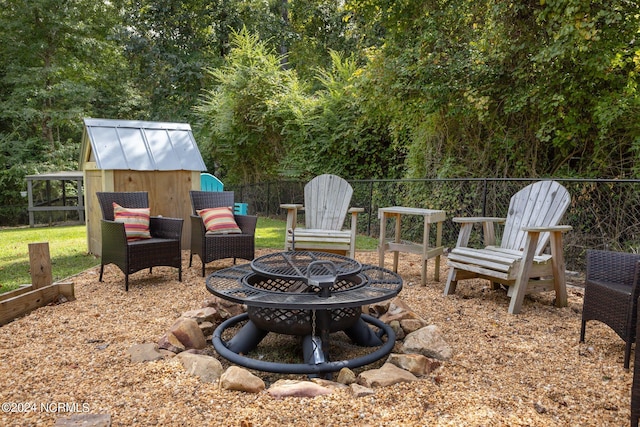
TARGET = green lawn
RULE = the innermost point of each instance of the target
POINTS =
(68, 249)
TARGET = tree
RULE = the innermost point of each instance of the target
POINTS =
(533, 88)
(251, 117)
(55, 57)
(344, 136)
(57, 63)
(317, 28)
(168, 45)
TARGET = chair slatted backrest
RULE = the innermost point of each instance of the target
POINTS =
(210, 182)
(129, 199)
(326, 200)
(541, 204)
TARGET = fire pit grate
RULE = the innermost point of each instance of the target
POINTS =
(374, 284)
(295, 265)
(279, 285)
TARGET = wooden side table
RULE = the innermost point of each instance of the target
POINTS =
(396, 245)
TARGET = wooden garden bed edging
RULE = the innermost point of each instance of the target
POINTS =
(41, 291)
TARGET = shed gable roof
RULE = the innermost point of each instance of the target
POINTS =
(140, 145)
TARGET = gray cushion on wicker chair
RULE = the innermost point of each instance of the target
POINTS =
(611, 294)
(162, 249)
(210, 247)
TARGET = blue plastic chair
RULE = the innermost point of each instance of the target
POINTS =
(209, 182)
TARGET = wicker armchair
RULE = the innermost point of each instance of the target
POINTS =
(635, 386)
(611, 294)
(162, 249)
(210, 247)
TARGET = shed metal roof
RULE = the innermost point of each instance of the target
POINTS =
(141, 145)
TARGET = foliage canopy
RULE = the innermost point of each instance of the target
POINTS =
(361, 88)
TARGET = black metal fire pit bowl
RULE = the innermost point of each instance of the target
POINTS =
(308, 294)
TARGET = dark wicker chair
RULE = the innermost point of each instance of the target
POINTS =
(635, 385)
(611, 294)
(162, 249)
(220, 246)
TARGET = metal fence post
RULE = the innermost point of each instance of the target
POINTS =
(370, 207)
(484, 197)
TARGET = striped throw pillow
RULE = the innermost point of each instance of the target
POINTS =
(219, 220)
(136, 221)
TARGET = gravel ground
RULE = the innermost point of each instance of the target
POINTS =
(523, 370)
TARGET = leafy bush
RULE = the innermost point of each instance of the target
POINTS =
(251, 117)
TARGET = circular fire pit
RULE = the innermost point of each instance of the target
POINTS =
(310, 294)
(299, 322)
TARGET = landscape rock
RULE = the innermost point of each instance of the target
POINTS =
(207, 328)
(397, 329)
(144, 352)
(239, 379)
(188, 332)
(399, 316)
(294, 388)
(84, 420)
(361, 391)
(429, 342)
(417, 364)
(387, 375)
(346, 376)
(204, 314)
(226, 309)
(170, 342)
(207, 368)
(412, 325)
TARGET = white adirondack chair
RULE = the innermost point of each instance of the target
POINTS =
(326, 204)
(519, 262)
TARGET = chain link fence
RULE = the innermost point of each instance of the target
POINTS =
(603, 213)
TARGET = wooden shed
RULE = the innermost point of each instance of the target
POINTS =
(123, 155)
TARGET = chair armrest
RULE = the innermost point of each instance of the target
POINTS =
(556, 232)
(166, 228)
(292, 218)
(198, 232)
(197, 225)
(290, 206)
(465, 220)
(551, 229)
(354, 219)
(354, 228)
(247, 223)
(487, 228)
(113, 234)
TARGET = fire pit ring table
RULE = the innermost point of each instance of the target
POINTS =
(308, 294)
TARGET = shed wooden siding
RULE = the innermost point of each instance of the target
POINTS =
(168, 196)
(124, 155)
